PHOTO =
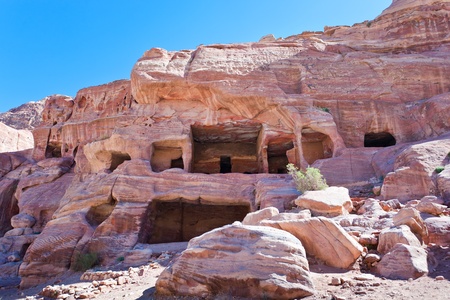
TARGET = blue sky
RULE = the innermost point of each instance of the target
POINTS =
(60, 46)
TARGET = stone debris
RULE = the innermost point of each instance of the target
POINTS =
(102, 282)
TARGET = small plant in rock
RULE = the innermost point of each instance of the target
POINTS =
(85, 261)
(309, 180)
(439, 169)
(325, 109)
(120, 258)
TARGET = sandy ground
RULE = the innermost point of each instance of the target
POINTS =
(352, 286)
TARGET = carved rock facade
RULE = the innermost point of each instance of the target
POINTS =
(197, 136)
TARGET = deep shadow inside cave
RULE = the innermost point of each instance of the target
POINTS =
(179, 220)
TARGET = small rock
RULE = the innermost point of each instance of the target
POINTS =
(364, 277)
(440, 277)
(121, 280)
(371, 258)
(336, 281)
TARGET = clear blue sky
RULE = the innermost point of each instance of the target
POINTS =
(60, 46)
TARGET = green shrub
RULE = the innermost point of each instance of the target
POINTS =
(85, 261)
(439, 169)
(325, 109)
(309, 180)
(120, 258)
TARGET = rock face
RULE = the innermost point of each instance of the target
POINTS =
(232, 261)
(12, 140)
(27, 116)
(196, 139)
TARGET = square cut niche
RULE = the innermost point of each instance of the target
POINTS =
(315, 145)
(277, 155)
(166, 155)
(179, 220)
(53, 150)
(112, 159)
(225, 148)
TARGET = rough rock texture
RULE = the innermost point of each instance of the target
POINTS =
(202, 137)
(257, 216)
(332, 201)
(389, 237)
(411, 217)
(404, 262)
(12, 140)
(27, 116)
(232, 261)
(438, 230)
(323, 239)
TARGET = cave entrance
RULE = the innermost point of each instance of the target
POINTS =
(117, 159)
(180, 221)
(97, 214)
(379, 139)
(315, 145)
(277, 155)
(53, 150)
(166, 155)
(225, 148)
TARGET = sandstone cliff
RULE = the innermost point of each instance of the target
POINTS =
(368, 104)
(12, 140)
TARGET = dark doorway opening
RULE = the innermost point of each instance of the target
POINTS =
(379, 139)
(180, 221)
(177, 163)
(277, 155)
(225, 164)
(225, 148)
(52, 151)
(117, 159)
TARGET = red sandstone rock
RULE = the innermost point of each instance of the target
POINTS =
(156, 145)
(389, 237)
(332, 201)
(232, 261)
(323, 239)
(403, 262)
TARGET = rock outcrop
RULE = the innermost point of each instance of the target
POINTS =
(27, 116)
(239, 261)
(13, 140)
(197, 139)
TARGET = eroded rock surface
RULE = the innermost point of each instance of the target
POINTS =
(233, 261)
(197, 139)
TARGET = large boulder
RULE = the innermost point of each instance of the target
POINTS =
(438, 230)
(330, 202)
(389, 237)
(403, 262)
(324, 239)
(239, 261)
(411, 217)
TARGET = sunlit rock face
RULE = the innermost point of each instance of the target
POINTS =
(197, 136)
